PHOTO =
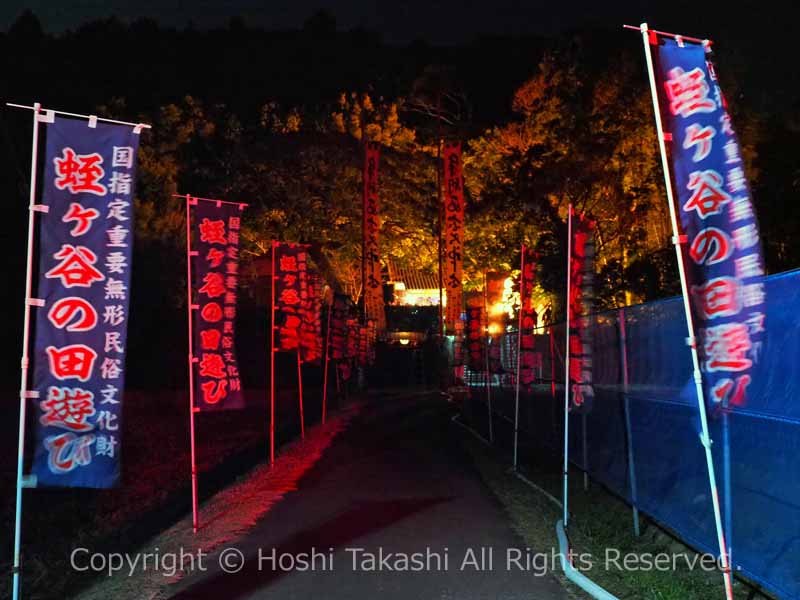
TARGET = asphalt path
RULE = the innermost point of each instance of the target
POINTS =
(394, 509)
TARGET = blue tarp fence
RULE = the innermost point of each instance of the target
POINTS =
(761, 487)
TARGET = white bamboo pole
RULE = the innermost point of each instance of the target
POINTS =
(24, 363)
(272, 360)
(519, 349)
(705, 439)
(189, 308)
(566, 371)
(486, 356)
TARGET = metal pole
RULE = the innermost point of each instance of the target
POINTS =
(623, 350)
(566, 370)
(192, 360)
(522, 298)
(486, 355)
(726, 478)
(300, 390)
(26, 330)
(272, 362)
(327, 356)
(705, 439)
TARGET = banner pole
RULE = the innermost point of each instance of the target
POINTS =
(519, 348)
(327, 356)
(300, 390)
(439, 177)
(623, 351)
(272, 362)
(552, 362)
(705, 439)
(189, 308)
(24, 363)
(486, 355)
(566, 370)
(726, 482)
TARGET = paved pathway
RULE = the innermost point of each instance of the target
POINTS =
(397, 481)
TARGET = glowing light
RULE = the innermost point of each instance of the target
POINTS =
(405, 342)
(508, 302)
(495, 329)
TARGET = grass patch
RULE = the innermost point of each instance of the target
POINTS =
(598, 521)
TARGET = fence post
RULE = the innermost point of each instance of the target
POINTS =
(726, 489)
(623, 352)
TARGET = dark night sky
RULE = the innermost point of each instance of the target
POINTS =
(442, 21)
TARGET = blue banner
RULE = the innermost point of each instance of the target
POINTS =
(84, 281)
(215, 281)
(724, 263)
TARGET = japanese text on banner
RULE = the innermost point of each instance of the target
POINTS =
(291, 293)
(215, 279)
(581, 304)
(725, 267)
(529, 359)
(371, 262)
(81, 331)
(452, 232)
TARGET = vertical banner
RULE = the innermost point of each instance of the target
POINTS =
(311, 327)
(496, 319)
(342, 309)
(725, 265)
(353, 332)
(528, 358)
(215, 276)
(476, 359)
(372, 336)
(453, 234)
(370, 255)
(363, 345)
(581, 302)
(291, 293)
(458, 344)
(84, 281)
(350, 348)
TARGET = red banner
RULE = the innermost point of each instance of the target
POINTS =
(370, 256)
(215, 280)
(311, 328)
(342, 312)
(452, 231)
(528, 319)
(581, 300)
(476, 359)
(290, 279)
